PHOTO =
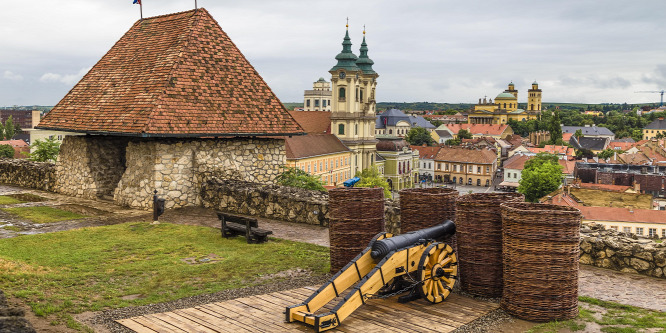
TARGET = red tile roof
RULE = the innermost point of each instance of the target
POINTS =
(621, 145)
(618, 214)
(14, 143)
(516, 162)
(313, 121)
(427, 152)
(313, 145)
(478, 129)
(564, 150)
(566, 136)
(173, 75)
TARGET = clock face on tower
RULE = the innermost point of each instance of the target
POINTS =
(342, 75)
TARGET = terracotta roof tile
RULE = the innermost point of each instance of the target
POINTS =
(478, 129)
(619, 214)
(313, 121)
(312, 145)
(427, 152)
(172, 75)
(466, 155)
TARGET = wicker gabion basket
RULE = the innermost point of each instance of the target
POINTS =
(356, 215)
(426, 207)
(479, 232)
(540, 250)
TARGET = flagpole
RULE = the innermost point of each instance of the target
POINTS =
(141, 9)
(195, 4)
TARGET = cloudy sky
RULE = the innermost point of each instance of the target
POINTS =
(585, 51)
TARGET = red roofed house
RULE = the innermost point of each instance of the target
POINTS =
(513, 167)
(469, 166)
(172, 103)
(479, 130)
(19, 147)
(563, 152)
(426, 163)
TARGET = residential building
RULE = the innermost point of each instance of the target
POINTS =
(353, 104)
(441, 136)
(505, 107)
(426, 164)
(21, 149)
(457, 118)
(658, 126)
(25, 119)
(589, 131)
(400, 162)
(478, 130)
(395, 122)
(39, 134)
(462, 165)
(562, 152)
(650, 178)
(319, 98)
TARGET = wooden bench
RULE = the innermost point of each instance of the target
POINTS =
(235, 225)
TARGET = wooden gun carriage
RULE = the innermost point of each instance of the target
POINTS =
(414, 262)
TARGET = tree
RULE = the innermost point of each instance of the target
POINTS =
(2, 131)
(453, 142)
(418, 136)
(578, 134)
(541, 158)
(540, 177)
(555, 128)
(6, 151)
(9, 128)
(295, 177)
(659, 135)
(45, 151)
(371, 177)
(464, 134)
(637, 135)
(608, 153)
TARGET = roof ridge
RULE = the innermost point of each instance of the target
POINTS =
(170, 14)
(176, 62)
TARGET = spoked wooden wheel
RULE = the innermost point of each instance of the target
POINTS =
(438, 270)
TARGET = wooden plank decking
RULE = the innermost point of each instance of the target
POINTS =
(264, 313)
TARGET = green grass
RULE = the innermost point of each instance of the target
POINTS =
(11, 228)
(43, 214)
(91, 269)
(6, 200)
(615, 318)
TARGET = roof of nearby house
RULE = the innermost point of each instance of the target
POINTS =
(426, 153)
(313, 121)
(566, 150)
(516, 162)
(590, 143)
(621, 145)
(636, 159)
(478, 129)
(176, 75)
(14, 143)
(393, 116)
(466, 155)
(587, 131)
(566, 136)
(311, 145)
(444, 134)
(619, 214)
(657, 124)
(487, 139)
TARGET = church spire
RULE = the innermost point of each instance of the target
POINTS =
(364, 62)
(346, 59)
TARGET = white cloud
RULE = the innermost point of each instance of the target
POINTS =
(9, 75)
(68, 79)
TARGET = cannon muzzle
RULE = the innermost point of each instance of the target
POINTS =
(385, 246)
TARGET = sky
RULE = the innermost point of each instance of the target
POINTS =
(579, 51)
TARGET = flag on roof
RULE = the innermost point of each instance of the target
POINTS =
(137, 2)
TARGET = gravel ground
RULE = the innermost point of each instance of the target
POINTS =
(104, 321)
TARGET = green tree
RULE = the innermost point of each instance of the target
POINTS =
(608, 153)
(2, 131)
(418, 136)
(371, 177)
(540, 177)
(295, 177)
(578, 134)
(555, 128)
(464, 134)
(659, 135)
(637, 135)
(44, 151)
(453, 142)
(9, 128)
(6, 151)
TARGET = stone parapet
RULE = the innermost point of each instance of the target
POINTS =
(24, 173)
(624, 252)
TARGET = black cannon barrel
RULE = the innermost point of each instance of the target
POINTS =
(385, 246)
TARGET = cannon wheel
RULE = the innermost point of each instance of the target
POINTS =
(438, 270)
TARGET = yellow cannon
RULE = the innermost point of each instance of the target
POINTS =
(389, 266)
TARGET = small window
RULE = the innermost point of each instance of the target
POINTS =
(487, 169)
(316, 102)
(308, 168)
(639, 231)
(307, 103)
(626, 229)
(652, 232)
(614, 227)
(663, 233)
(478, 182)
(446, 166)
(341, 129)
(315, 167)
(478, 169)
(341, 94)
(355, 129)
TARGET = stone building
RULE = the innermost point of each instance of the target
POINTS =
(173, 102)
(319, 98)
(395, 122)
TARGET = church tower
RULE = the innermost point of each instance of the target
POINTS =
(353, 104)
(512, 90)
(534, 98)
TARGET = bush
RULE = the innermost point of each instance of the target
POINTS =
(6, 151)
(295, 177)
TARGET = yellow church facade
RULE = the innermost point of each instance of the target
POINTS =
(505, 107)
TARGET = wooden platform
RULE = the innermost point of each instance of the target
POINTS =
(265, 313)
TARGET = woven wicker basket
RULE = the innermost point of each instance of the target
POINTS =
(356, 215)
(540, 250)
(479, 232)
(426, 207)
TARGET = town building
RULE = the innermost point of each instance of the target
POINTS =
(23, 118)
(593, 144)
(21, 149)
(400, 162)
(319, 98)
(478, 130)
(651, 179)
(353, 104)
(426, 164)
(505, 107)
(395, 122)
(462, 165)
(656, 127)
(589, 131)
(440, 136)
(514, 166)
(171, 105)
(562, 152)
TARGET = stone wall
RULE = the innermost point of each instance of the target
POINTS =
(278, 202)
(90, 166)
(619, 251)
(24, 173)
(13, 319)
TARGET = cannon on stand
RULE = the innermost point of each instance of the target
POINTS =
(414, 262)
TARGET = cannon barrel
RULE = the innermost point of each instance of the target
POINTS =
(385, 246)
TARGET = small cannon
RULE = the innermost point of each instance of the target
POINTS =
(414, 262)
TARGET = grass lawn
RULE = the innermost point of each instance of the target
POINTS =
(43, 214)
(5, 200)
(608, 317)
(91, 269)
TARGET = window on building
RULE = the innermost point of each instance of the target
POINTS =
(315, 167)
(321, 166)
(487, 169)
(390, 131)
(308, 168)
(478, 182)
(60, 138)
(361, 94)
(446, 166)
(337, 163)
(652, 232)
(639, 231)
(478, 169)
(469, 181)
(341, 129)
(515, 175)
(372, 159)
(355, 129)
(316, 102)
(323, 103)
(455, 168)
(614, 227)
(626, 229)
(341, 94)
(307, 103)
(326, 165)
(487, 182)
(663, 233)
